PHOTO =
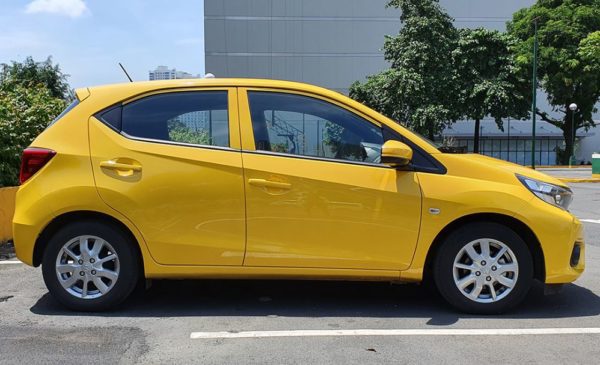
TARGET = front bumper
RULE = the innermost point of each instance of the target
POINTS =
(565, 259)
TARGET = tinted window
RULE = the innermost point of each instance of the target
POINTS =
(186, 117)
(302, 125)
(420, 159)
(112, 117)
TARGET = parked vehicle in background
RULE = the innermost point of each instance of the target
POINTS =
(241, 178)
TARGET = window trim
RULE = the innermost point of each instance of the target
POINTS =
(232, 115)
(315, 158)
(174, 143)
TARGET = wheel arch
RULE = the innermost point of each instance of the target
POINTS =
(78, 216)
(516, 225)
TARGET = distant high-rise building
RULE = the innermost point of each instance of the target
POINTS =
(164, 73)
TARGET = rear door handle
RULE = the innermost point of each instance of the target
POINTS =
(113, 165)
(269, 184)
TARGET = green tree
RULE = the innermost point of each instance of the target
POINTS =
(30, 73)
(24, 113)
(418, 89)
(32, 94)
(490, 80)
(589, 51)
(568, 68)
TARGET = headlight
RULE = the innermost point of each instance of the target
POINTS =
(553, 194)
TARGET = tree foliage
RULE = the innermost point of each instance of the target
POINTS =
(418, 89)
(439, 74)
(30, 73)
(568, 61)
(490, 81)
(24, 113)
(30, 98)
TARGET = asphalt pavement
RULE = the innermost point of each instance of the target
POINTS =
(364, 322)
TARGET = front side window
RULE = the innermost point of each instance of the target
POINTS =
(194, 117)
(301, 125)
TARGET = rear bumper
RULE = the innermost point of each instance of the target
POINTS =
(24, 238)
(27, 224)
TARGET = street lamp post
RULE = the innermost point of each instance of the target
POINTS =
(533, 96)
(573, 108)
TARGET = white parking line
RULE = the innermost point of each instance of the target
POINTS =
(10, 262)
(398, 332)
(591, 220)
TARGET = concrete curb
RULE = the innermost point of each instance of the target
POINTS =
(564, 167)
(578, 179)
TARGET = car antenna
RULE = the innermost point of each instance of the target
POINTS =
(125, 71)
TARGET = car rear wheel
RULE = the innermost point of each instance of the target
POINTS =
(90, 266)
(483, 268)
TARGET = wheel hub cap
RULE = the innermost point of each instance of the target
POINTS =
(485, 270)
(87, 267)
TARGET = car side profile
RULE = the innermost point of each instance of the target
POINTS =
(244, 178)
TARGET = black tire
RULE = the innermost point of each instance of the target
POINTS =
(443, 267)
(129, 267)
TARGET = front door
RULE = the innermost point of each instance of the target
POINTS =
(317, 195)
(171, 163)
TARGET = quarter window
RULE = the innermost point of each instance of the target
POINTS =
(198, 118)
(302, 125)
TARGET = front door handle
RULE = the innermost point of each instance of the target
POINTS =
(114, 165)
(269, 184)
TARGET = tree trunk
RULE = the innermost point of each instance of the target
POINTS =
(431, 135)
(476, 136)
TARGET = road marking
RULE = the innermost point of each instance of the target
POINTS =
(10, 262)
(591, 220)
(397, 332)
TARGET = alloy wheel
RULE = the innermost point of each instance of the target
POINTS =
(485, 270)
(87, 267)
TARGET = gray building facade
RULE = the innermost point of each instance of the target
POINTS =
(333, 43)
(330, 43)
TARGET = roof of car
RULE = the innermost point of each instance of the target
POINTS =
(145, 86)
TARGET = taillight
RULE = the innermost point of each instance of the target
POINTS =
(33, 160)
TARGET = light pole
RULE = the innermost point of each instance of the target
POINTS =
(534, 87)
(573, 108)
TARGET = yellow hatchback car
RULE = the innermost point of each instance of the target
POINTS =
(242, 178)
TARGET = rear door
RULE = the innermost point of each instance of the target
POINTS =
(171, 163)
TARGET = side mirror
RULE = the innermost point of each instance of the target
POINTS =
(395, 154)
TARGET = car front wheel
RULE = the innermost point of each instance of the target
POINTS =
(483, 268)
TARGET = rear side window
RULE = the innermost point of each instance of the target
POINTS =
(112, 117)
(195, 117)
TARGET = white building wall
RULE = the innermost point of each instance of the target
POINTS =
(590, 144)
